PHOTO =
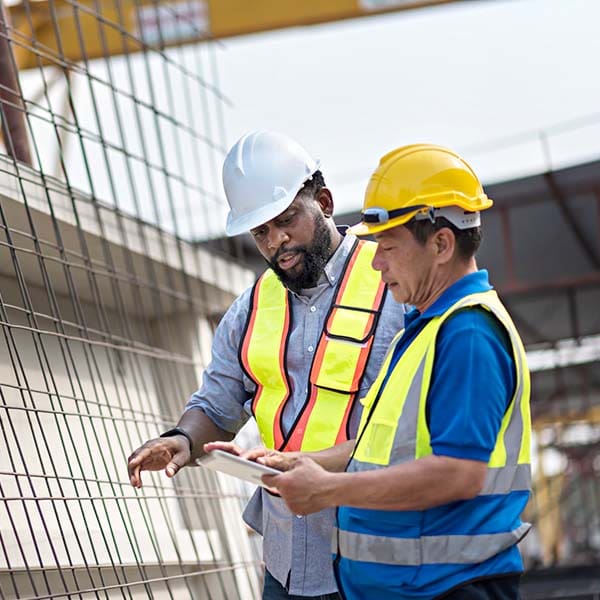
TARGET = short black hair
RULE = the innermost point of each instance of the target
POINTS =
(313, 185)
(467, 240)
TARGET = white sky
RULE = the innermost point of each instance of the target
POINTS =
(484, 77)
(462, 75)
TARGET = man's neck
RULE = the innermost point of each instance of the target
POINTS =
(336, 240)
(446, 280)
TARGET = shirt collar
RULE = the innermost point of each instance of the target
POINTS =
(472, 283)
(334, 268)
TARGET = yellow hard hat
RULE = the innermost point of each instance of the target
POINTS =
(416, 180)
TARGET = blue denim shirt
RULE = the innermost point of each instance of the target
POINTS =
(297, 551)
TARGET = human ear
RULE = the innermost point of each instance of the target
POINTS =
(325, 200)
(444, 244)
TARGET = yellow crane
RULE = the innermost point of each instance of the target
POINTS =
(61, 33)
(72, 29)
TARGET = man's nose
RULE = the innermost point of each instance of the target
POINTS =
(378, 263)
(276, 238)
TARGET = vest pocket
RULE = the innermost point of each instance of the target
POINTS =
(351, 324)
(340, 367)
(376, 447)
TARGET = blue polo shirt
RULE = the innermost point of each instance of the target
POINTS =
(472, 384)
(474, 362)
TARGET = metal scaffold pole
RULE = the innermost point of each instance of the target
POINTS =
(14, 130)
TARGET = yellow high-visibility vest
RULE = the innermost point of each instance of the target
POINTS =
(394, 430)
(338, 363)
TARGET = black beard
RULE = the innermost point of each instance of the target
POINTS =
(313, 260)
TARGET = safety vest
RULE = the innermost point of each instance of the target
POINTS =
(394, 430)
(338, 362)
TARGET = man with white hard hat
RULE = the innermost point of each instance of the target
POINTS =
(296, 351)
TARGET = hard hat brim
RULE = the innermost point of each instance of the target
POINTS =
(244, 223)
(239, 224)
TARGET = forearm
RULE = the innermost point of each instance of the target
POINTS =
(417, 485)
(202, 430)
(333, 459)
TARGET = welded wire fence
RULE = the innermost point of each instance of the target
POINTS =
(108, 300)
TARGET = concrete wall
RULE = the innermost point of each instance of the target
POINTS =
(95, 358)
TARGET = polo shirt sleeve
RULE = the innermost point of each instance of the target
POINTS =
(223, 394)
(473, 381)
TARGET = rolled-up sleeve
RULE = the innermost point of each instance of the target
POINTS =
(225, 390)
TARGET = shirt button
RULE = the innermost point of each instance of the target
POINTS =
(313, 308)
(310, 348)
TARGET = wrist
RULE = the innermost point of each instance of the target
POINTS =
(331, 488)
(181, 432)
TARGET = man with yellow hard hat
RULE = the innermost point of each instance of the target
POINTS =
(431, 491)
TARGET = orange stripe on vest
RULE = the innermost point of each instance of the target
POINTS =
(338, 364)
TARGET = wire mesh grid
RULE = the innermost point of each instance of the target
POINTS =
(108, 185)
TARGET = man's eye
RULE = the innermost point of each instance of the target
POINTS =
(287, 219)
(258, 232)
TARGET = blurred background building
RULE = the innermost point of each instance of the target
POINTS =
(114, 270)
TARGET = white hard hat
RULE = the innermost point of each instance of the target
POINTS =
(262, 174)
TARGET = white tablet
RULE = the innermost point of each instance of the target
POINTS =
(217, 460)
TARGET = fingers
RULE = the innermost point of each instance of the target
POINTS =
(156, 455)
(224, 446)
(302, 487)
(135, 478)
(254, 453)
(271, 488)
(282, 461)
(178, 461)
(270, 480)
(134, 465)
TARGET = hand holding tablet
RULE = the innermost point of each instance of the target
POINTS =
(217, 460)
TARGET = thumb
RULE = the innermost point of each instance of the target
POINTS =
(176, 463)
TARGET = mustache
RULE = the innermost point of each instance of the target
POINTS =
(296, 249)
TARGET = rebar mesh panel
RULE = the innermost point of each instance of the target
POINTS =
(108, 179)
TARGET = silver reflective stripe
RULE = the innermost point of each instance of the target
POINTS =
(498, 480)
(405, 439)
(513, 436)
(356, 466)
(502, 480)
(403, 449)
(439, 549)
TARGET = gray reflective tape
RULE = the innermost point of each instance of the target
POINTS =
(405, 437)
(498, 480)
(439, 549)
(357, 466)
(502, 480)
(513, 436)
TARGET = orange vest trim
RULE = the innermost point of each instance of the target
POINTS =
(338, 363)
(268, 297)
